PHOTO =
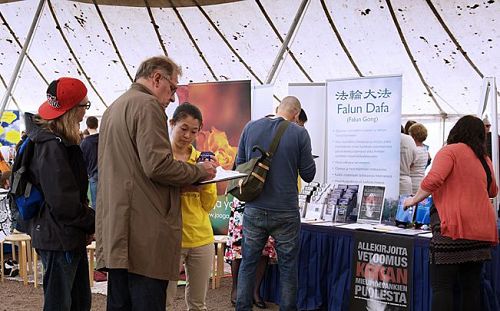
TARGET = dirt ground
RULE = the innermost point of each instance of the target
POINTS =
(14, 296)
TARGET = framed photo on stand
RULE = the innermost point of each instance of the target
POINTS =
(372, 204)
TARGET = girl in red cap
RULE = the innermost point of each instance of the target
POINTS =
(65, 222)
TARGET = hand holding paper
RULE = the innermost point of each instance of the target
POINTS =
(210, 169)
(408, 202)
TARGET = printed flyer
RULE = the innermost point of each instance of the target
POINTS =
(382, 272)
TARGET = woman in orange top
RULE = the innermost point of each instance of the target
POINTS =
(463, 220)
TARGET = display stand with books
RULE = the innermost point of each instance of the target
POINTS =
(317, 202)
(337, 205)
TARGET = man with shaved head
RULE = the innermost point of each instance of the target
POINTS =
(289, 108)
(275, 211)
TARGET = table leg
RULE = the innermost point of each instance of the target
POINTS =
(13, 250)
(35, 266)
(28, 252)
(91, 267)
(23, 262)
(214, 272)
(220, 264)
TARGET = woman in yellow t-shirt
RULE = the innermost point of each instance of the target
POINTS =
(196, 201)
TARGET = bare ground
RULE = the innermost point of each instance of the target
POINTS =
(15, 296)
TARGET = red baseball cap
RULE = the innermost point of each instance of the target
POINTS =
(62, 95)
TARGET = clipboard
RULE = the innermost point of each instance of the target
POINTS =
(223, 175)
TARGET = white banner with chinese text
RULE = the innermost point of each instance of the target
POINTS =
(363, 134)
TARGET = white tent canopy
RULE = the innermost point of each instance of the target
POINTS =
(443, 48)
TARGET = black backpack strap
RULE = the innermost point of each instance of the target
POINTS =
(274, 144)
(277, 137)
(21, 163)
(29, 152)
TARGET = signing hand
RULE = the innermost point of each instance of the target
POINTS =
(210, 169)
(213, 159)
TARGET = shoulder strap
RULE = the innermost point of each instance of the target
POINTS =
(277, 137)
(488, 173)
(21, 162)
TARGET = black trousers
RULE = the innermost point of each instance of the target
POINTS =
(444, 278)
(133, 292)
(66, 280)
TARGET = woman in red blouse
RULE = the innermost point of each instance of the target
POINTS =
(463, 220)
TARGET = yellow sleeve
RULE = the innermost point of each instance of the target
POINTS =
(208, 193)
(208, 196)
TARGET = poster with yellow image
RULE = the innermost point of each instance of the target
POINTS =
(10, 132)
(225, 107)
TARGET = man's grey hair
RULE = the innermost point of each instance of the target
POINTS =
(161, 63)
(290, 105)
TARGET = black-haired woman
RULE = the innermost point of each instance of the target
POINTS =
(463, 221)
(196, 202)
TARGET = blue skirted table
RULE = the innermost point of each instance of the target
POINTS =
(325, 272)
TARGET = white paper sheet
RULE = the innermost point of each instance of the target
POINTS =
(223, 175)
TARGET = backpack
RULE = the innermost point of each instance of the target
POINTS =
(25, 198)
(249, 188)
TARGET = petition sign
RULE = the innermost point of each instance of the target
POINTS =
(382, 272)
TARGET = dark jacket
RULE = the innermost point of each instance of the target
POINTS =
(89, 147)
(59, 171)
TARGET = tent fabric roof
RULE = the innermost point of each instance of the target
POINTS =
(151, 3)
(443, 48)
(157, 3)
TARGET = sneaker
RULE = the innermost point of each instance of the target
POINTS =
(10, 268)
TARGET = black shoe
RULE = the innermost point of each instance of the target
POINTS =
(260, 304)
(233, 302)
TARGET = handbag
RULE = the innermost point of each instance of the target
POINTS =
(249, 188)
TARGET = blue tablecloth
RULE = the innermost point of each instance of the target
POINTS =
(325, 265)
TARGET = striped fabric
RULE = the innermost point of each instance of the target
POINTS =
(444, 250)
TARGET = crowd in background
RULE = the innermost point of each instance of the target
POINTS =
(137, 189)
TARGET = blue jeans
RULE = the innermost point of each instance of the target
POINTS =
(93, 189)
(284, 227)
(65, 280)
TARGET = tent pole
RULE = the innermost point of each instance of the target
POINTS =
(443, 118)
(284, 46)
(20, 60)
(494, 134)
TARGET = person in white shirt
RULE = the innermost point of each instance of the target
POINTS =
(417, 170)
(408, 156)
